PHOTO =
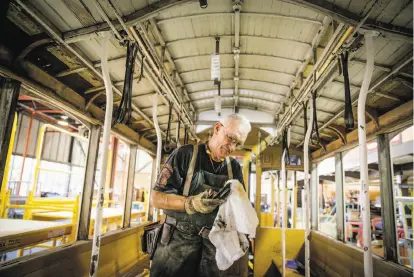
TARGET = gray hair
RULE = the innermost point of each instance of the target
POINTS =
(241, 120)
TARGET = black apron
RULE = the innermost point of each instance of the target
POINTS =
(187, 253)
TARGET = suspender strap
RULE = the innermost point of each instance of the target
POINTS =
(190, 171)
(229, 170)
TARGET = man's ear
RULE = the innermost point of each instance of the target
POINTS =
(216, 128)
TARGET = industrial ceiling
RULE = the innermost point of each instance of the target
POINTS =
(273, 55)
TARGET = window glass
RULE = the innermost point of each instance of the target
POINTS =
(142, 185)
(352, 189)
(115, 185)
(300, 209)
(401, 147)
(327, 197)
(53, 201)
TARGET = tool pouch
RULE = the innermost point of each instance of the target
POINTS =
(150, 238)
(167, 233)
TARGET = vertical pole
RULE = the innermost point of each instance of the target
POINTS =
(272, 202)
(96, 244)
(283, 212)
(113, 159)
(339, 194)
(9, 93)
(365, 204)
(246, 172)
(39, 147)
(88, 183)
(4, 193)
(307, 204)
(294, 200)
(258, 181)
(314, 197)
(130, 185)
(278, 200)
(148, 206)
(284, 207)
(26, 147)
(387, 198)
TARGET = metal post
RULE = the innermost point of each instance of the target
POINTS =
(148, 207)
(130, 185)
(340, 214)
(314, 197)
(88, 183)
(307, 205)
(364, 201)
(387, 198)
(278, 200)
(272, 202)
(26, 147)
(246, 164)
(284, 208)
(283, 212)
(4, 191)
(258, 182)
(294, 200)
(9, 93)
(105, 145)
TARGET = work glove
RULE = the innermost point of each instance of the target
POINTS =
(202, 203)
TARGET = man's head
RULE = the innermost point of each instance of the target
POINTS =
(229, 134)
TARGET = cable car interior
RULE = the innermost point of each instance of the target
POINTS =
(96, 94)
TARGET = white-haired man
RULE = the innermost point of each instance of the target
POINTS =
(185, 188)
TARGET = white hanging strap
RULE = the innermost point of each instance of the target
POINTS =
(190, 171)
(229, 169)
(307, 191)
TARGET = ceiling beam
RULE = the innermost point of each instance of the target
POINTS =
(261, 15)
(241, 107)
(241, 80)
(212, 122)
(131, 19)
(372, 92)
(346, 16)
(224, 97)
(223, 92)
(242, 36)
(240, 68)
(231, 55)
(170, 59)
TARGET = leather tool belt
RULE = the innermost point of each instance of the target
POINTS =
(186, 228)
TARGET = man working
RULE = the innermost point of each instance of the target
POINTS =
(184, 190)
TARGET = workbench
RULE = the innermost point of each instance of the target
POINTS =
(17, 233)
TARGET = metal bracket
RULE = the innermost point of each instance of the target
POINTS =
(373, 115)
(340, 132)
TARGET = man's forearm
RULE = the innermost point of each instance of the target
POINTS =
(166, 201)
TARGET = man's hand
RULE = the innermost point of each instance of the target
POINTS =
(202, 203)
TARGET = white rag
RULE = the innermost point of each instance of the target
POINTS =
(235, 219)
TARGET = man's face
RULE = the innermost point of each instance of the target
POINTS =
(228, 138)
